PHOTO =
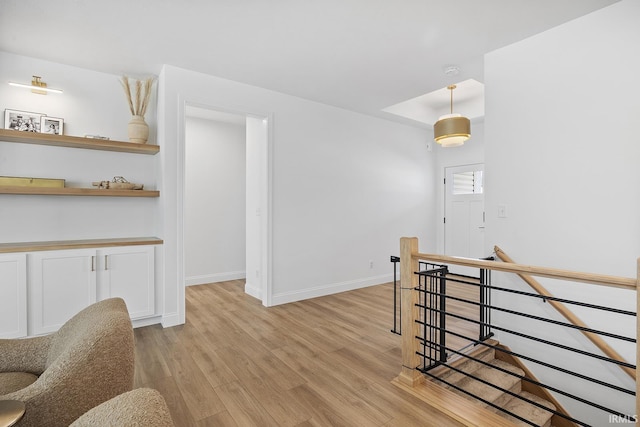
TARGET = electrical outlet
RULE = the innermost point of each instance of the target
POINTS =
(370, 263)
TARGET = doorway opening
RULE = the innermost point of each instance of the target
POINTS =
(226, 199)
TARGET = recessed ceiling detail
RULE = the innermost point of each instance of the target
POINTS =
(429, 107)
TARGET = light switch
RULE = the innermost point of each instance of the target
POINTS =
(502, 211)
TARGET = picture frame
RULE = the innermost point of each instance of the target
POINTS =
(51, 125)
(23, 121)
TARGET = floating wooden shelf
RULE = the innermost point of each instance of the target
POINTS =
(68, 191)
(77, 244)
(8, 135)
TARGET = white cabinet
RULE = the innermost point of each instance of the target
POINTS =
(13, 295)
(128, 272)
(63, 282)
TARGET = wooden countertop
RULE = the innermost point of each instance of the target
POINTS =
(77, 244)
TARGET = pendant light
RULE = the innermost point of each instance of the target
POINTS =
(452, 130)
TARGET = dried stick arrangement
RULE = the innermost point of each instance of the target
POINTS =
(142, 94)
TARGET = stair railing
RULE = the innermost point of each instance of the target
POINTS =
(568, 314)
(397, 312)
(414, 317)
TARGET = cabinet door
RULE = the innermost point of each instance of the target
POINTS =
(128, 272)
(13, 295)
(61, 283)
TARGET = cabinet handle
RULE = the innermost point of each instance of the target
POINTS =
(93, 263)
(105, 262)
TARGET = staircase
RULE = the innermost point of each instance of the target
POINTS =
(457, 380)
(432, 312)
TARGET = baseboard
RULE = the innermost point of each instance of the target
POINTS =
(329, 289)
(173, 319)
(252, 290)
(214, 278)
(147, 321)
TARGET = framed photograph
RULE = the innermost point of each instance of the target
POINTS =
(51, 125)
(24, 121)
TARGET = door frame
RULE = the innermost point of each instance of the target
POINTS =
(266, 162)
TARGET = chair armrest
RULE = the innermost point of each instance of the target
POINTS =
(140, 407)
(24, 355)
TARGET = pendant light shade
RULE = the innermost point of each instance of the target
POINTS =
(452, 130)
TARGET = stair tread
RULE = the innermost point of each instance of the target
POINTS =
(493, 376)
(528, 411)
(503, 380)
(464, 363)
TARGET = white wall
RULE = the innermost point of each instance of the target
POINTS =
(214, 201)
(344, 186)
(561, 144)
(92, 103)
(561, 147)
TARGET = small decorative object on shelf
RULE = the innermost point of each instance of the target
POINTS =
(23, 121)
(118, 183)
(138, 128)
(31, 182)
(97, 137)
(51, 125)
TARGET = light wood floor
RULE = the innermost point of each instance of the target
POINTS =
(321, 362)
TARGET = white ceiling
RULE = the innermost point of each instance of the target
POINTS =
(362, 55)
(468, 98)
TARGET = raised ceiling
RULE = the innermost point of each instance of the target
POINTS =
(362, 55)
(468, 98)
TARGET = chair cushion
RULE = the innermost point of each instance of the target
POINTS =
(14, 381)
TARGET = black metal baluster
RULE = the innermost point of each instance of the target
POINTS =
(395, 260)
(443, 315)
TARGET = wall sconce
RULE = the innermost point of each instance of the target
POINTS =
(36, 86)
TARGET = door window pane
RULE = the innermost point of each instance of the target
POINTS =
(467, 182)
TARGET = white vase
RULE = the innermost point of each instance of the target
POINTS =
(138, 130)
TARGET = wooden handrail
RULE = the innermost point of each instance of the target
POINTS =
(555, 273)
(569, 315)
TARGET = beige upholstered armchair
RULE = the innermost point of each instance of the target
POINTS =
(59, 377)
(142, 407)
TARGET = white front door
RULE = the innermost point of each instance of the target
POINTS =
(464, 213)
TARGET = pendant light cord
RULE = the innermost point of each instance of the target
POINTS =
(451, 88)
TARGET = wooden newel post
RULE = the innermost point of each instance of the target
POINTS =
(408, 300)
